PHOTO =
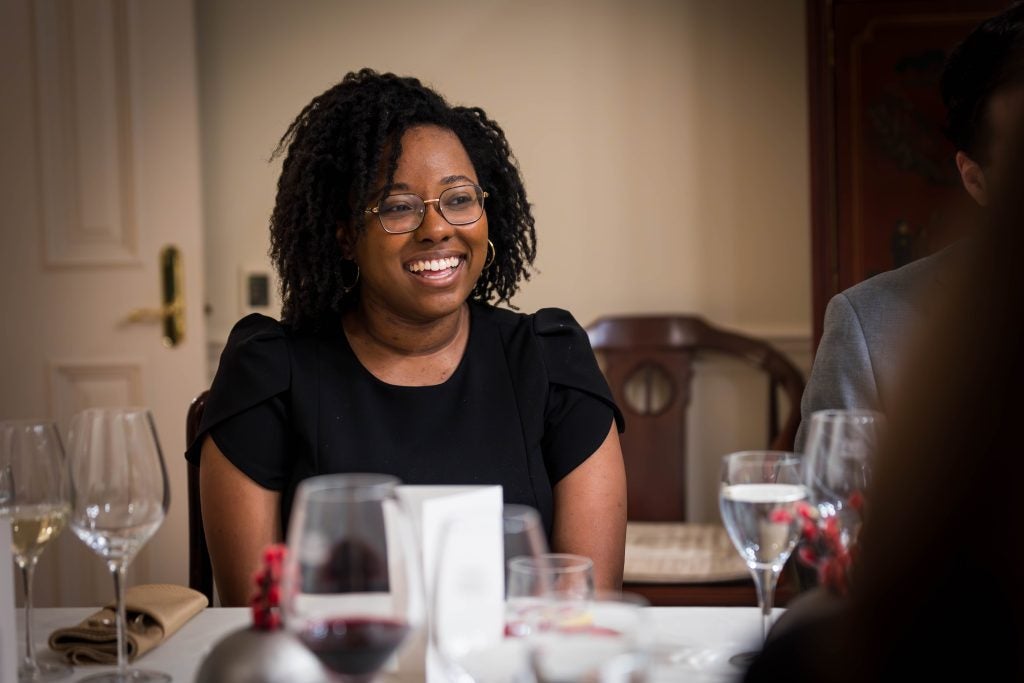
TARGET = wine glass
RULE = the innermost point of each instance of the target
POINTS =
(352, 587)
(551, 574)
(524, 535)
(119, 499)
(524, 538)
(840, 448)
(758, 499)
(35, 498)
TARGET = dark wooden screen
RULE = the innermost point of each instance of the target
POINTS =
(884, 187)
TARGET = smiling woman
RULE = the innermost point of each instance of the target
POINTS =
(400, 223)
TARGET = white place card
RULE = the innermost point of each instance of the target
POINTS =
(473, 559)
(8, 636)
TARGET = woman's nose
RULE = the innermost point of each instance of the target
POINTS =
(434, 227)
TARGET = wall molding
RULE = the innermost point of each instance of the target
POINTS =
(76, 384)
(86, 137)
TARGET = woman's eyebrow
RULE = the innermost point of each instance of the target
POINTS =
(448, 180)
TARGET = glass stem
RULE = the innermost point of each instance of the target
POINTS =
(765, 579)
(27, 572)
(117, 569)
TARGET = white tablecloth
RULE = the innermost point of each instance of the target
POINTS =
(698, 641)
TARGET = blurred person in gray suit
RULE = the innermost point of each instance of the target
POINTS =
(866, 326)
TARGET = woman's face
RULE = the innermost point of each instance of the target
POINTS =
(395, 270)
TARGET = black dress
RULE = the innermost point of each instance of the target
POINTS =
(526, 405)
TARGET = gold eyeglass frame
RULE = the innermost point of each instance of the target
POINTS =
(437, 205)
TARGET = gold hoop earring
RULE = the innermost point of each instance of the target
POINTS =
(349, 288)
(492, 253)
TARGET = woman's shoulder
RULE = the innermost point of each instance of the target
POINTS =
(546, 322)
(257, 329)
(549, 340)
(256, 349)
(256, 326)
(548, 350)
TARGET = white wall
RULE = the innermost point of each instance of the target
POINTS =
(663, 143)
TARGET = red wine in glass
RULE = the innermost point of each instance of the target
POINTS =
(355, 648)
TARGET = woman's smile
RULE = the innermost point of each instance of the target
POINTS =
(439, 269)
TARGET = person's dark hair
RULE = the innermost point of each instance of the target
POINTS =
(337, 146)
(988, 60)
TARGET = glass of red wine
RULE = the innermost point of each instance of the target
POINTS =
(352, 587)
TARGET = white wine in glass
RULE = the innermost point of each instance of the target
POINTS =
(35, 500)
(119, 500)
(759, 495)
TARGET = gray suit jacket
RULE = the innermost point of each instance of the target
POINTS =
(865, 330)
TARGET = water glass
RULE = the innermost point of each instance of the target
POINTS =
(758, 497)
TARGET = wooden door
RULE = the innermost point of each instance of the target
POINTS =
(884, 187)
(99, 172)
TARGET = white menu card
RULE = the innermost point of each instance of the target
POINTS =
(473, 558)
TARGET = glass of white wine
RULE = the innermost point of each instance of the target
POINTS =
(119, 499)
(34, 498)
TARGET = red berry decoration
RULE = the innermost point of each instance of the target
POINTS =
(266, 600)
(829, 547)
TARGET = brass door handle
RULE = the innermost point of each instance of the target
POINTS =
(171, 314)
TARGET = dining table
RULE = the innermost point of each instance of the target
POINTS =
(688, 643)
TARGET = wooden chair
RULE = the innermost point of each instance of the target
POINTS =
(649, 364)
(200, 569)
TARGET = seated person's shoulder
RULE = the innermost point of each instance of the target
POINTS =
(898, 287)
(255, 357)
(255, 327)
(545, 323)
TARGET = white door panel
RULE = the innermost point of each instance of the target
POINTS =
(100, 171)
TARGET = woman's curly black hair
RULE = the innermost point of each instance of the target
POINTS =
(336, 147)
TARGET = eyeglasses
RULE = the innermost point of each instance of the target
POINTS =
(401, 213)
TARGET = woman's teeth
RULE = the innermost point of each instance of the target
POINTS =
(435, 264)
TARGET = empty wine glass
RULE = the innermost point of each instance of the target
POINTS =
(758, 499)
(840, 448)
(524, 535)
(35, 499)
(551, 575)
(119, 499)
(352, 586)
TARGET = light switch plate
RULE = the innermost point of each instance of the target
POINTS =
(258, 291)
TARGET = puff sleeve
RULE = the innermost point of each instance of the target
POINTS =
(580, 407)
(246, 412)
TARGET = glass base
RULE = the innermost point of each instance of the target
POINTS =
(744, 659)
(129, 676)
(44, 671)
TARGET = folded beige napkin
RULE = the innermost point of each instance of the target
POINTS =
(154, 611)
